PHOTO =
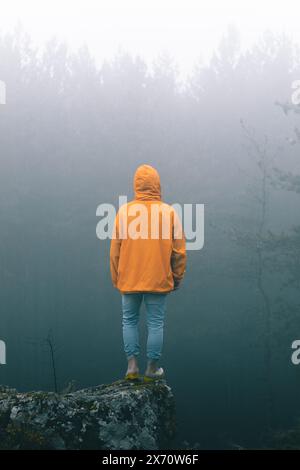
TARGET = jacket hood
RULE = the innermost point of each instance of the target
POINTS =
(147, 183)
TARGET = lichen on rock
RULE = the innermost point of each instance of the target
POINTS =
(117, 416)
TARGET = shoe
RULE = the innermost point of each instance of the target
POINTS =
(159, 374)
(132, 376)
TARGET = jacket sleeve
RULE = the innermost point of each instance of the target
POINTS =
(115, 247)
(178, 256)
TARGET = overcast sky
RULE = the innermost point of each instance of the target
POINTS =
(188, 29)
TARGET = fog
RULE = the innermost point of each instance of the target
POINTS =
(72, 132)
(189, 31)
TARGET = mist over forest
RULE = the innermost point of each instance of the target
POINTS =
(72, 134)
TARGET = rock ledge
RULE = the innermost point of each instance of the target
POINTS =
(121, 415)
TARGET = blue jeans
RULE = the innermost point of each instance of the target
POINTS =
(155, 309)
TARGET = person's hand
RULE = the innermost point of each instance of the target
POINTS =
(176, 285)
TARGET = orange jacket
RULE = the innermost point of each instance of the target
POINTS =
(147, 251)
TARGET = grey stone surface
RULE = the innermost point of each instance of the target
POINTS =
(121, 415)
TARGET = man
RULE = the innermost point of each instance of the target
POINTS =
(147, 262)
